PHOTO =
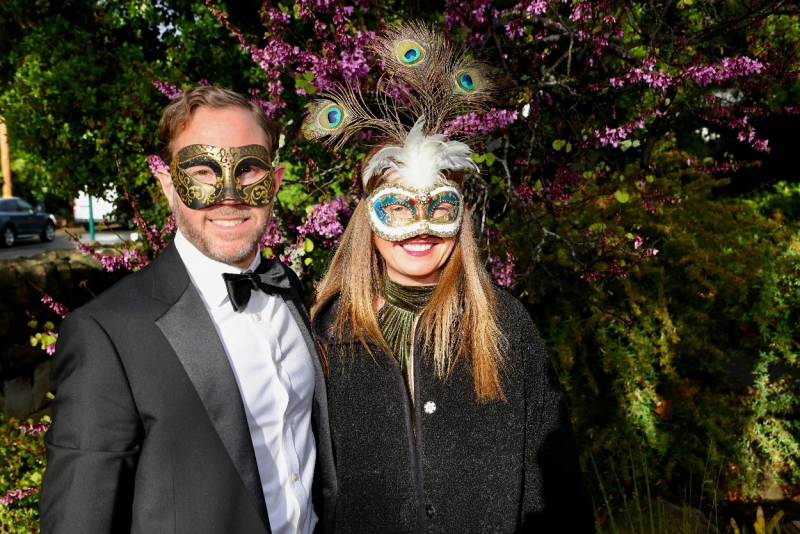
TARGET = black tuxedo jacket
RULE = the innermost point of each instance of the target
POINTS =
(149, 433)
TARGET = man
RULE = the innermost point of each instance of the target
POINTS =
(187, 394)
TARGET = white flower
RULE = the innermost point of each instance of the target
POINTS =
(430, 407)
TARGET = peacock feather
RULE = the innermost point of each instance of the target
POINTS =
(427, 83)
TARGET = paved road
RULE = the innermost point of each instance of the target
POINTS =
(34, 246)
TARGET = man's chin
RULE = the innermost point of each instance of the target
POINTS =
(229, 251)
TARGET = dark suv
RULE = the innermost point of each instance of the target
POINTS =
(18, 219)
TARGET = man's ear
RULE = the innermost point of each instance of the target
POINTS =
(278, 173)
(166, 184)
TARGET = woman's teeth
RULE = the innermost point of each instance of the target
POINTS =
(227, 222)
(417, 247)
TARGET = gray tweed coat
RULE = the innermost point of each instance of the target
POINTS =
(500, 467)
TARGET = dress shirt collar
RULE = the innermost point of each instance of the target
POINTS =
(206, 274)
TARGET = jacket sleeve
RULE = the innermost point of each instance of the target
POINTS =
(555, 497)
(94, 440)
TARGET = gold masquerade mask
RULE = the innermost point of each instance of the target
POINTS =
(398, 212)
(204, 175)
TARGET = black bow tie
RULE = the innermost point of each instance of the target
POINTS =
(240, 286)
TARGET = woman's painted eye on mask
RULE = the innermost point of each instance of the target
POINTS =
(400, 211)
(441, 209)
(444, 207)
(394, 209)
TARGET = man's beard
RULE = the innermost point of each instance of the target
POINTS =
(202, 242)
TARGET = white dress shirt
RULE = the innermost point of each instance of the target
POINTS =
(275, 375)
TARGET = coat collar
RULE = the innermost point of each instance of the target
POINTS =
(187, 325)
(322, 323)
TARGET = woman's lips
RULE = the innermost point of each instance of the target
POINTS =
(418, 248)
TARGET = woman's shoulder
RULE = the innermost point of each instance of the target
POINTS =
(525, 346)
(324, 316)
(512, 316)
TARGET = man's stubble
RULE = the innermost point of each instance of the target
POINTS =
(202, 242)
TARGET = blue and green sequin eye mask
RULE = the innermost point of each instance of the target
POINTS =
(398, 212)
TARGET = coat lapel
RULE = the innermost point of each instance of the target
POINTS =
(192, 335)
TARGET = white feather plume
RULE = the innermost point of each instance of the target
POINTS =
(421, 159)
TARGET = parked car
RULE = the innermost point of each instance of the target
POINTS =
(18, 219)
(101, 208)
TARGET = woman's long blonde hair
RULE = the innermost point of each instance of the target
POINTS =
(460, 320)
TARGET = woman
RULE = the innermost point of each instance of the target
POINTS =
(445, 413)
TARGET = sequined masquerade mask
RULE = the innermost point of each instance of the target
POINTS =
(398, 212)
(204, 175)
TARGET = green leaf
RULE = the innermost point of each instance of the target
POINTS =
(569, 147)
(558, 144)
(311, 89)
(621, 196)
(477, 158)
(537, 185)
(32, 324)
(308, 261)
(490, 158)
(308, 245)
(49, 325)
(308, 76)
(650, 178)
(629, 235)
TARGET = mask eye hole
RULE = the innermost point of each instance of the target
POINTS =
(251, 170)
(395, 210)
(443, 207)
(202, 169)
(410, 52)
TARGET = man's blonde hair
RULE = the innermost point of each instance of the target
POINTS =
(179, 112)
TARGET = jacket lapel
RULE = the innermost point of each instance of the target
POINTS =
(192, 335)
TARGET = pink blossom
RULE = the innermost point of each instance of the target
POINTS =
(614, 136)
(59, 308)
(34, 429)
(482, 123)
(156, 164)
(728, 68)
(17, 494)
(169, 90)
(272, 236)
(503, 271)
(324, 219)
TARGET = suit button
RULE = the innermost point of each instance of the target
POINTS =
(430, 511)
